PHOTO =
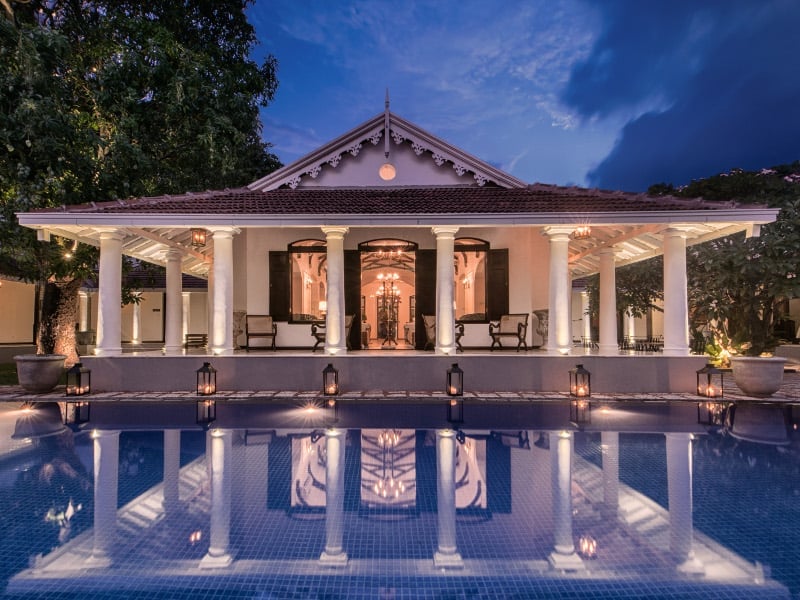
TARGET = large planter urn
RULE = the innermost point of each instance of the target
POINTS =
(39, 373)
(758, 376)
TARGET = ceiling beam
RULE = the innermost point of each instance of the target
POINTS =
(154, 237)
(633, 233)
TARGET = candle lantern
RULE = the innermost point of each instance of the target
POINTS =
(455, 410)
(78, 380)
(206, 411)
(455, 381)
(331, 409)
(330, 381)
(711, 412)
(206, 380)
(76, 413)
(580, 382)
(709, 382)
(198, 237)
(580, 411)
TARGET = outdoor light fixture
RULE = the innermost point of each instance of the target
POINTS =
(581, 232)
(76, 413)
(78, 380)
(206, 380)
(580, 382)
(206, 411)
(387, 172)
(330, 381)
(455, 381)
(711, 413)
(580, 412)
(198, 237)
(709, 382)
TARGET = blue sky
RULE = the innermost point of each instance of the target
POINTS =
(616, 94)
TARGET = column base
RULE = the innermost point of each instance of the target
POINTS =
(612, 350)
(333, 560)
(448, 561)
(173, 350)
(216, 562)
(98, 351)
(446, 350)
(99, 561)
(691, 566)
(566, 562)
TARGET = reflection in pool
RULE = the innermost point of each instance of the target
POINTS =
(643, 501)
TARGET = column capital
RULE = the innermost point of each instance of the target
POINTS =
(110, 233)
(104, 433)
(446, 433)
(173, 254)
(335, 232)
(612, 250)
(559, 233)
(223, 231)
(444, 231)
(677, 230)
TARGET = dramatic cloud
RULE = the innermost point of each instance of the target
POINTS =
(704, 87)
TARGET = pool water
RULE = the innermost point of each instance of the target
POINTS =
(362, 509)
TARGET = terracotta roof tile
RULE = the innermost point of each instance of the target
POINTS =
(537, 198)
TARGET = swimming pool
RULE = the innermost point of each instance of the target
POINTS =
(277, 500)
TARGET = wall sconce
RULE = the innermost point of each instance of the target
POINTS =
(330, 381)
(79, 380)
(206, 411)
(580, 412)
(76, 413)
(206, 380)
(198, 237)
(709, 382)
(711, 413)
(580, 382)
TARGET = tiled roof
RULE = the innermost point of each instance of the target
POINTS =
(537, 198)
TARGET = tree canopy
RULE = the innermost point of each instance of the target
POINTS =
(113, 99)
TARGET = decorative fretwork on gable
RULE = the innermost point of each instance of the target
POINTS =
(401, 132)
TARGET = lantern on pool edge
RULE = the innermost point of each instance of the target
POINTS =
(79, 380)
(580, 382)
(206, 411)
(76, 413)
(455, 389)
(330, 381)
(206, 380)
(709, 382)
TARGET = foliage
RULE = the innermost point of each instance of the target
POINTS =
(735, 282)
(112, 99)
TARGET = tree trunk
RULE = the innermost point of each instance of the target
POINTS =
(59, 315)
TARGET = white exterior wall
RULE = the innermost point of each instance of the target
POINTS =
(152, 318)
(16, 312)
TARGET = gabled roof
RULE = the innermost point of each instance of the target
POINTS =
(347, 147)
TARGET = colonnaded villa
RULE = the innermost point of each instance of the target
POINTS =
(390, 254)
(378, 239)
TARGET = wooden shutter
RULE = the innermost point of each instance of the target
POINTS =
(352, 294)
(497, 284)
(425, 291)
(279, 285)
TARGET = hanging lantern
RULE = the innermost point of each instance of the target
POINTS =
(78, 380)
(198, 237)
(206, 411)
(206, 380)
(582, 232)
(709, 382)
(330, 381)
(580, 382)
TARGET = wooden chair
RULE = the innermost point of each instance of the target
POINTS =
(430, 332)
(513, 326)
(318, 330)
(260, 326)
(195, 340)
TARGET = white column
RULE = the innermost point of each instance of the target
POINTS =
(587, 318)
(109, 303)
(609, 446)
(83, 311)
(218, 554)
(172, 467)
(559, 336)
(173, 341)
(676, 311)
(222, 333)
(106, 478)
(679, 494)
(630, 324)
(136, 321)
(447, 555)
(335, 341)
(445, 276)
(608, 304)
(563, 557)
(187, 307)
(334, 553)
(210, 304)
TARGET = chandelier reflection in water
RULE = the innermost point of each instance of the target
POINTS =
(387, 486)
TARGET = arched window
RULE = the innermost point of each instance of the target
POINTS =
(471, 257)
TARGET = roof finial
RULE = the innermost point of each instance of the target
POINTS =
(386, 104)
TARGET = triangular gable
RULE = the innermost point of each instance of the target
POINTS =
(353, 159)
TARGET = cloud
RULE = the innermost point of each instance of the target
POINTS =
(715, 89)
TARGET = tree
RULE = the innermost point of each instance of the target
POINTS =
(113, 99)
